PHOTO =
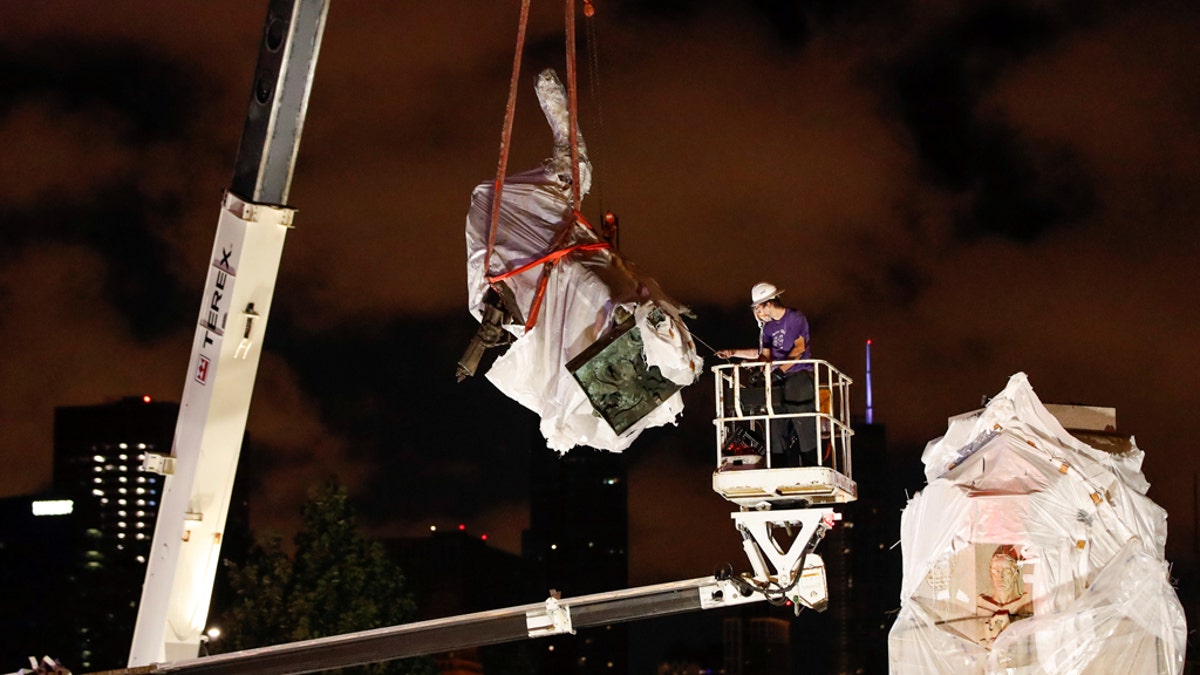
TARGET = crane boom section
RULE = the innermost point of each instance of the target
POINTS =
(208, 434)
(225, 351)
(473, 630)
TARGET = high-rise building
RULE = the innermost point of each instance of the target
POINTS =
(34, 564)
(578, 540)
(756, 645)
(98, 453)
(862, 568)
(455, 572)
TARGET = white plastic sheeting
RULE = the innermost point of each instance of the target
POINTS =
(583, 293)
(1030, 551)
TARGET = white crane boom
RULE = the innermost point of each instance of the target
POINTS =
(228, 343)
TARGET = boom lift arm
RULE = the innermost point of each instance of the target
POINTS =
(804, 584)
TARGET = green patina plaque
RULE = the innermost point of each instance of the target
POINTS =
(614, 375)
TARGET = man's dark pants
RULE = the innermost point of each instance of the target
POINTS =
(798, 397)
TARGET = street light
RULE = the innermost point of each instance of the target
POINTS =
(209, 635)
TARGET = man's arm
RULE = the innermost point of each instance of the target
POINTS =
(749, 353)
(795, 352)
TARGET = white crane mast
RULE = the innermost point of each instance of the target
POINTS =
(227, 345)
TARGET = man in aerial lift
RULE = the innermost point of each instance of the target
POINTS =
(784, 336)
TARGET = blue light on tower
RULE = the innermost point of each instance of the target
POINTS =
(870, 414)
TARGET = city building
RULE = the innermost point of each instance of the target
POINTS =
(577, 543)
(756, 644)
(455, 571)
(34, 565)
(862, 567)
(73, 559)
(98, 453)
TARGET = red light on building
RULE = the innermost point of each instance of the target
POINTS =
(483, 537)
(461, 527)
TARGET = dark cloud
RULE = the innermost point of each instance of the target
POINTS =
(121, 225)
(787, 25)
(145, 97)
(1022, 195)
(388, 387)
(127, 108)
(1018, 188)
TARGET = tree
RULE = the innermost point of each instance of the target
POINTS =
(336, 582)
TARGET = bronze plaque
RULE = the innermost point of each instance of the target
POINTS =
(616, 379)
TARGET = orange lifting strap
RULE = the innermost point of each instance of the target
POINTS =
(556, 253)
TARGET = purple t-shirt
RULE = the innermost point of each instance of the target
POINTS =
(780, 335)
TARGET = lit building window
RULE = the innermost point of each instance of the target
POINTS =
(52, 507)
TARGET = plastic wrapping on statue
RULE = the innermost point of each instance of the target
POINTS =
(1030, 551)
(586, 297)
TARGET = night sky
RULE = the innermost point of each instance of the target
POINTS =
(980, 187)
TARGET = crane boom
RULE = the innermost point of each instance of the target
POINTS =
(803, 586)
(470, 630)
(227, 344)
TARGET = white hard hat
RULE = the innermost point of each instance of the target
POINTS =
(763, 292)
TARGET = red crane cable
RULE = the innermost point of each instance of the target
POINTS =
(551, 258)
(576, 196)
(573, 106)
(506, 137)
(557, 252)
